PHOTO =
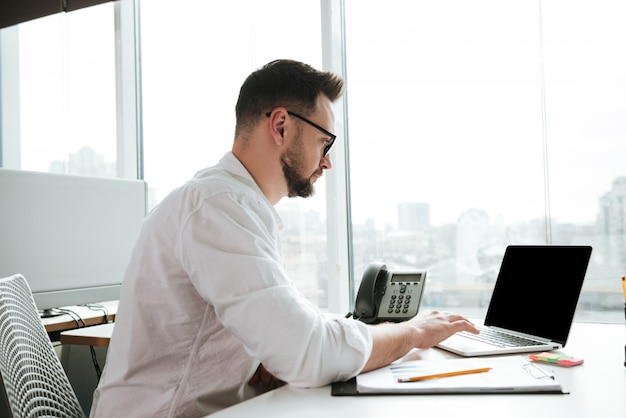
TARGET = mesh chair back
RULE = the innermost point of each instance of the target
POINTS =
(35, 383)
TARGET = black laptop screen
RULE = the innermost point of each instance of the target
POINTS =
(537, 289)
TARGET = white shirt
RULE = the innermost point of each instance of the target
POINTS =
(206, 298)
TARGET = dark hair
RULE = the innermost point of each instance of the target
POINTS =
(286, 83)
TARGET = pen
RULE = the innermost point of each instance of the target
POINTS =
(438, 375)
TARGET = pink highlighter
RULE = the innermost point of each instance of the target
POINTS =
(556, 359)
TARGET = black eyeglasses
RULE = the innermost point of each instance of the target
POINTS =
(315, 125)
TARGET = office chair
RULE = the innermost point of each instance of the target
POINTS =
(34, 379)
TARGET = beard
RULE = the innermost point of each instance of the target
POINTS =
(298, 185)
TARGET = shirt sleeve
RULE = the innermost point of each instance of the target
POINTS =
(230, 248)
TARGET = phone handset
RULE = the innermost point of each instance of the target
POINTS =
(370, 293)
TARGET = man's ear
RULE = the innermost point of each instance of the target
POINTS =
(277, 125)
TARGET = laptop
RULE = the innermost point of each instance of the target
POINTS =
(533, 302)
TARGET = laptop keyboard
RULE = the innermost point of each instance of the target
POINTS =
(499, 339)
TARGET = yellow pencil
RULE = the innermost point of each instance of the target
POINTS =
(447, 374)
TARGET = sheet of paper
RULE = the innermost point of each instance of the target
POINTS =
(509, 374)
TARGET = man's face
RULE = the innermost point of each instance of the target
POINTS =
(299, 180)
(306, 158)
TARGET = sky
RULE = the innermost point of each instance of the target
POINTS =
(445, 99)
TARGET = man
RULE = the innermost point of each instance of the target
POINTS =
(207, 315)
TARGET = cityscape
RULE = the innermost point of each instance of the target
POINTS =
(462, 259)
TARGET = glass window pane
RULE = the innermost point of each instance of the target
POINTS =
(585, 59)
(447, 138)
(195, 57)
(67, 93)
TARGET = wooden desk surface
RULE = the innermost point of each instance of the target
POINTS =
(90, 316)
(96, 335)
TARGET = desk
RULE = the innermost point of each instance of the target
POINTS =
(96, 335)
(89, 316)
(597, 389)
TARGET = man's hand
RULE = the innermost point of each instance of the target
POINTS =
(394, 340)
(436, 326)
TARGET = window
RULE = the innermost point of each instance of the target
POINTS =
(456, 150)
(195, 56)
(471, 125)
(59, 93)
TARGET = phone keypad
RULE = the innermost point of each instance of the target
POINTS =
(400, 297)
(399, 304)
